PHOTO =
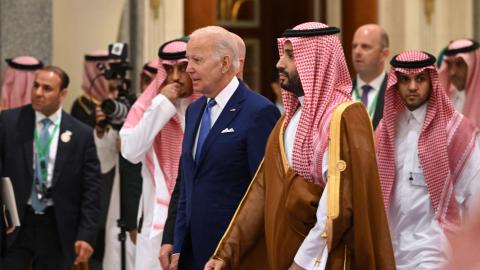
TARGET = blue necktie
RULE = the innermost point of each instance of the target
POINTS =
(365, 89)
(205, 127)
(37, 204)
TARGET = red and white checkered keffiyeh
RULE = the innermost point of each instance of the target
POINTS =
(445, 142)
(471, 108)
(18, 81)
(95, 85)
(326, 83)
(168, 143)
(152, 64)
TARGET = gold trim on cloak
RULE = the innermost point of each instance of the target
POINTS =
(335, 167)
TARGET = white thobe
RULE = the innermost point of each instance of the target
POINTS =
(136, 144)
(417, 237)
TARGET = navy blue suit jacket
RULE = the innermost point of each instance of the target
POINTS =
(76, 176)
(211, 191)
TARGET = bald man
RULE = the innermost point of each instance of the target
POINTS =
(369, 52)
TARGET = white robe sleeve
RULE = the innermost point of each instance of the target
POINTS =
(107, 149)
(137, 141)
(313, 252)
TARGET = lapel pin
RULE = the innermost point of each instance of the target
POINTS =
(66, 136)
(232, 110)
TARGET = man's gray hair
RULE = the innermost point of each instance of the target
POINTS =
(222, 41)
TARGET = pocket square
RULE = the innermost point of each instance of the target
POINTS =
(228, 130)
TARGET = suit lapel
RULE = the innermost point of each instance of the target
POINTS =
(231, 110)
(26, 131)
(63, 148)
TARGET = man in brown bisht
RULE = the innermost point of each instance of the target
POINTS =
(321, 136)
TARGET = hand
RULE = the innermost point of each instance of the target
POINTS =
(215, 264)
(174, 261)
(295, 266)
(99, 117)
(165, 253)
(83, 251)
(11, 229)
(133, 235)
(170, 91)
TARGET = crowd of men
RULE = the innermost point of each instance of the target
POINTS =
(373, 171)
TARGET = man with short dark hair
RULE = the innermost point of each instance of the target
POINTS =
(152, 134)
(52, 162)
(428, 162)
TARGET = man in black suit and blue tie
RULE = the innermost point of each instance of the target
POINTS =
(224, 141)
(370, 49)
(52, 162)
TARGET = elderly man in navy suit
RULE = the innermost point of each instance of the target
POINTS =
(225, 135)
(52, 162)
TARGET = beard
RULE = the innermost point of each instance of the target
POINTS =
(292, 84)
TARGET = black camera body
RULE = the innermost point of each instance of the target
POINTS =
(116, 110)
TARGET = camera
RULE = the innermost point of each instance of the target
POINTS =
(116, 110)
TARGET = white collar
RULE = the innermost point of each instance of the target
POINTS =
(418, 114)
(55, 117)
(301, 100)
(375, 83)
(224, 96)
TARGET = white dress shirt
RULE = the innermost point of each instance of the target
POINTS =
(56, 119)
(222, 99)
(417, 237)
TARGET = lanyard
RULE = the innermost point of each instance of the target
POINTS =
(42, 151)
(372, 106)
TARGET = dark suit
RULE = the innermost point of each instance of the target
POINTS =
(75, 182)
(212, 187)
(378, 114)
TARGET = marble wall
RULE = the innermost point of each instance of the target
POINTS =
(25, 29)
(408, 25)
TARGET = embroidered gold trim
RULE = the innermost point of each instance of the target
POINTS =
(335, 167)
(281, 142)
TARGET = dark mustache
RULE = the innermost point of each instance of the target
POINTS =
(282, 71)
(179, 82)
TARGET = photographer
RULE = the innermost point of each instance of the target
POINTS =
(94, 85)
(152, 134)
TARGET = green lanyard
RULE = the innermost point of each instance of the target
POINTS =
(42, 151)
(372, 106)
